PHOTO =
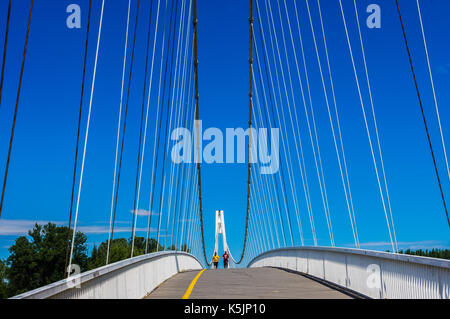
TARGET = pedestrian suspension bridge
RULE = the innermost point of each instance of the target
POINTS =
(282, 255)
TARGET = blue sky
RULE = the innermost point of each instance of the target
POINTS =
(40, 177)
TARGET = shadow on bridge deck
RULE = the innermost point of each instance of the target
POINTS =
(256, 283)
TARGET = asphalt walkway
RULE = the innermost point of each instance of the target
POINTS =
(254, 283)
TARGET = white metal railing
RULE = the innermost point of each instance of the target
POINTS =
(373, 274)
(128, 279)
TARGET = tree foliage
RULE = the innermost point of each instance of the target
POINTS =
(3, 280)
(184, 248)
(120, 250)
(433, 253)
(40, 261)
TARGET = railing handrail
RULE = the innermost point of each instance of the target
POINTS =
(435, 262)
(60, 286)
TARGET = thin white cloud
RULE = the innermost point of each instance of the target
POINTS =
(15, 228)
(10, 227)
(96, 230)
(143, 212)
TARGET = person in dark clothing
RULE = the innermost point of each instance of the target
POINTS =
(225, 258)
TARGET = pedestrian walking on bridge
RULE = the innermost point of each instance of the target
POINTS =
(225, 258)
(215, 260)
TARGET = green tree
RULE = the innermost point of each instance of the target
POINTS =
(433, 253)
(41, 260)
(120, 250)
(185, 248)
(152, 246)
(139, 246)
(3, 280)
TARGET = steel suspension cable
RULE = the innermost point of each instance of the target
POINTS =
(190, 117)
(254, 208)
(269, 124)
(257, 189)
(257, 238)
(187, 117)
(253, 253)
(314, 141)
(5, 46)
(261, 229)
(195, 235)
(140, 162)
(189, 205)
(194, 203)
(250, 117)
(344, 160)
(434, 94)
(267, 121)
(303, 165)
(78, 137)
(422, 111)
(16, 107)
(288, 158)
(197, 117)
(179, 90)
(328, 108)
(266, 184)
(268, 73)
(273, 101)
(86, 136)
(260, 208)
(158, 119)
(180, 182)
(189, 217)
(124, 126)
(148, 108)
(176, 116)
(323, 184)
(196, 232)
(433, 89)
(168, 115)
(366, 125)
(383, 170)
(192, 240)
(118, 133)
(300, 153)
(193, 207)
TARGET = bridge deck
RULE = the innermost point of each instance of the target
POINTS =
(259, 283)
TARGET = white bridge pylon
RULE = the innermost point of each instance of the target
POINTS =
(220, 230)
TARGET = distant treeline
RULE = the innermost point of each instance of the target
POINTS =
(433, 253)
(40, 258)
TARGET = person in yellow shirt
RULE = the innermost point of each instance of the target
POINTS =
(215, 260)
